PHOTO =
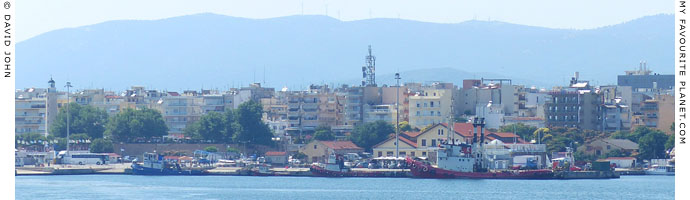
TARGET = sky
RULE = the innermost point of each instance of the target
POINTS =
(35, 17)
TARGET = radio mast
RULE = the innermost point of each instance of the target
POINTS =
(369, 70)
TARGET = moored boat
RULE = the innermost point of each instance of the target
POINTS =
(669, 170)
(334, 167)
(154, 164)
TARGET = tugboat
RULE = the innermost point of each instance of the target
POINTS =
(335, 167)
(458, 160)
(154, 164)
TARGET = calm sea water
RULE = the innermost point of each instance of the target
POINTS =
(241, 187)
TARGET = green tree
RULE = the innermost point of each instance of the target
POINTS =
(541, 132)
(616, 153)
(405, 126)
(651, 145)
(323, 133)
(212, 126)
(670, 142)
(231, 125)
(369, 134)
(522, 130)
(100, 145)
(232, 149)
(83, 119)
(211, 149)
(130, 124)
(192, 131)
(251, 128)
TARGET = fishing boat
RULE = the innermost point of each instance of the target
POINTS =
(155, 164)
(462, 160)
(335, 167)
(669, 170)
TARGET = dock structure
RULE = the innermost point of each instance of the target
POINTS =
(586, 175)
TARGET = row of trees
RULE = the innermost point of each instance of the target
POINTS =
(90, 123)
(94, 123)
(242, 125)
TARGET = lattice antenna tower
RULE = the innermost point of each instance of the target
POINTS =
(369, 70)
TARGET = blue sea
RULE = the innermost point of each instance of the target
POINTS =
(243, 187)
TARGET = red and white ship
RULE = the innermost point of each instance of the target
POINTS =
(458, 160)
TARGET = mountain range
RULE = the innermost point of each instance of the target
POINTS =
(216, 51)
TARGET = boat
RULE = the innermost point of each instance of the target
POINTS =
(264, 170)
(155, 164)
(458, 160)
(669, 170)
(335, 167)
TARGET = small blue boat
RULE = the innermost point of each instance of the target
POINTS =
(154, 164)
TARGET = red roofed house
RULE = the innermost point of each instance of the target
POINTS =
(318, 151)
(424, 143)
(276, 157)
(387, 148)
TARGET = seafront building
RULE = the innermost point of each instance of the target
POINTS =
(631, 103)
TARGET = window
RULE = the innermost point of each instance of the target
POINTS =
(413, 154)
(314, 146)
(423, 142)
(608, 147)
(425, 104)
(380, 153)
(438, 113)
(417, 113)
(441, 131)
(432, 104)
(431, 113)
(433, 142)
(389, 153)
(424, 153)
(417, 105)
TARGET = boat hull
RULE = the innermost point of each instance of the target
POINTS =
(141, 170)
(423, 170)
(648, 172)
(321, 172)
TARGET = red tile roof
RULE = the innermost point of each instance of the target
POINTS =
(412, 134)
(339, 145)
(275, 153)
(405, 140)
(504, 134)
(464, 129)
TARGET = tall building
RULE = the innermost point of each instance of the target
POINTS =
(36, 109)
(644, 79)
(429, 106)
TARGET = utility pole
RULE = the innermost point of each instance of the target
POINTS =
(397, 114)
(69, 85)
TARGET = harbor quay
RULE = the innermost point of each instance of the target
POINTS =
(124, 168)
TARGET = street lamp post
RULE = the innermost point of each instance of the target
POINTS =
(397, 114)
(68, 85)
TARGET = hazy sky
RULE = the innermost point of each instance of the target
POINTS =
(39, 16)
